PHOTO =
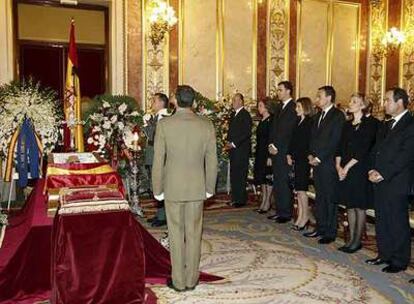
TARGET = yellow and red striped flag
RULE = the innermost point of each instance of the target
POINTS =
(73, 133)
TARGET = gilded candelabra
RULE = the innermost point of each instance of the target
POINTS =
(134, 179)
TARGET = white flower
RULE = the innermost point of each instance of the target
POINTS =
(135, 113)
(90, 140)
(122, 108)
(121, 125)
(106, 104)
(114, 118)
(96, 129)
(106, 125)
(102, 139)
(96, 136)
(147, 117)
(95, 143)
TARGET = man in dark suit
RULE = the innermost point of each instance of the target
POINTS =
(284, 122)
(239, 147)
(325, 137)
(391, 174)
(159, 107)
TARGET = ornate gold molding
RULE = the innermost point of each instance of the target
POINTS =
(220, 50)
(378, 20)
(407, 51)
(181, 20)
(277, 44)
(254, 51)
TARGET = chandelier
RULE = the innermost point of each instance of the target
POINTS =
(162, 18)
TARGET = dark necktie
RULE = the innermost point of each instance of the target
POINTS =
(391, 123)
(322, 117)
(388, 125)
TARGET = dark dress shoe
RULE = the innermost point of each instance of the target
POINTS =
(260, 211)
(282, 220)
(326, 240)
(393, 269)
(158, 223)
(411, 281)
(170, 284)
(238, 205)
(312, 234)
(272, 217)
(343, 248)
(375, 261)
(352, 249)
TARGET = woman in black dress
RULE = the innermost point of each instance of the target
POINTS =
(298, 156)
(358, 137)
(262, 162)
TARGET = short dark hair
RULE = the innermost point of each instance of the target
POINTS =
(185, 96)
(306, 103)
(399, 93)
(288, 86)
(163, 98)
(240, 95)
(329, 91)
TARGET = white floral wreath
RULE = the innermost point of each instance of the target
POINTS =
(27, 99)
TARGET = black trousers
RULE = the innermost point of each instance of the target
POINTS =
(239, 165)
(392, 226)
(282, 191)
(326, 208)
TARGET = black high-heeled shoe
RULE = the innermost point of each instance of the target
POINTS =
(301, 228)
(261, 211)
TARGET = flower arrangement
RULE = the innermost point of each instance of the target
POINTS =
(26, 99)
(113, 125)
(219, 113)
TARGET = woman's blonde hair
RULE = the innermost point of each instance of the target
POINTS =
(365, 102)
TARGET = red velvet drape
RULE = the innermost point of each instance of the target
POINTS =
(25, 257)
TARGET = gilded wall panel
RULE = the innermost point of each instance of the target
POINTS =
(376, 60)
(313, 47)
(407, 54)
(238, 20)
(277, 44)
(345, 50)
(198, 44)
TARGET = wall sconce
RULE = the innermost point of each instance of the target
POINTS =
(390, 43)
(393, 39)
(161, 18)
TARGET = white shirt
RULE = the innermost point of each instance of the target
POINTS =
(161, 114)
(397, 118)
(285, 103)
(238, 110)
(326, 112)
